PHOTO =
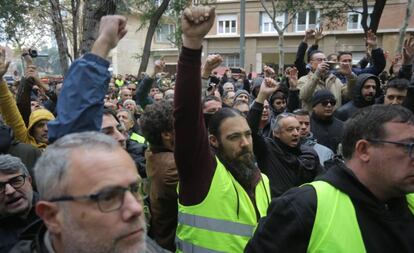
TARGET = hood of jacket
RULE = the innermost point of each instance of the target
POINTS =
(38, 115)
(357, 97)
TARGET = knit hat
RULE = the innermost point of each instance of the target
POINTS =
(322, 95)
(241, 91)
(38, 115)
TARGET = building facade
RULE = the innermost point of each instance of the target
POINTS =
(261, 40)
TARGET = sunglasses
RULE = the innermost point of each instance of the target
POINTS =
(325, 103)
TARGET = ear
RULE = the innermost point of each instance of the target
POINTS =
(30, 180)
(213, 141)
(276, 133)
(167, 135)
(50, 214)
(362, 150)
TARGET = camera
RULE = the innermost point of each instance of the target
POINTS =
(333, 65)
(34, 54)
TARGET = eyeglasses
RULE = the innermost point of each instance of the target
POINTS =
(15, 182)
(108, 200)
(408, 146)
(325, 103)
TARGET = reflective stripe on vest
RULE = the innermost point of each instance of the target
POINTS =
(138, 138)
(336, 227)
(225, 220)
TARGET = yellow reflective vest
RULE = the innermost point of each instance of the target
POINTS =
(225, 220)
(336, 227)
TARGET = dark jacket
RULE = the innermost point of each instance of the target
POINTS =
(385, 227)
(286, 167)
(347, 110)
(32, 241)
(11, 227)
(328, 132)
(300, 55)
(137, 152)
(141, 96)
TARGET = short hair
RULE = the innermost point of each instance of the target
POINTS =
(157, 118)
(397, 83)
(368, 123)
(110, 112)
(218, 117)
(209, 98)
(340, 53)
(333, 55)
(52, 167)
(301, 112)
(276, 124)
(131, 116)
(311, 54)
(226, 93)
(10, 164)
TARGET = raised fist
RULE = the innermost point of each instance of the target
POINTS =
(196, 22)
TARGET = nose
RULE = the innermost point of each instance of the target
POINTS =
(295, 132)
(9, 190)
(132, 207)
(244, 141)
(119, 136)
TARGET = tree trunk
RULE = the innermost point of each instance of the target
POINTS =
(93, 10)
(75, 12)
(376, 15)
(404, 26)
(59, 35)
(281, 43)
(150, 34)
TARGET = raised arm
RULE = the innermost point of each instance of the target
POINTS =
(81, 102)
(378, 58)
(145, 85)
(300, 54)
(195, 162)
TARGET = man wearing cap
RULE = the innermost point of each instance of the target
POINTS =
(366, 89)
(325, 127)
(242, 95)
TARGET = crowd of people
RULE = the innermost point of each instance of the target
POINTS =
(316, 159)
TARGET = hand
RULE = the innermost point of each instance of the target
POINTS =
(267, 88)
(212, 62)
(323, 67)
(319, 35)
(3, 64)
(112, 29)
(408, 51)
(26, 56)
(268, 71)
(309, 33)
(371, 39)
(159, 66)
(196, 22)
(242, 74)
(293, 78)
(31, 75)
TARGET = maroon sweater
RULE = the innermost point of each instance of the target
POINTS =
(195, 162)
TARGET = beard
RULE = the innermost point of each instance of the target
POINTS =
(242, 166)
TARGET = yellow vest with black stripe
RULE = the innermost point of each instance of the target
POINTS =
(336, 226)
(225, 220)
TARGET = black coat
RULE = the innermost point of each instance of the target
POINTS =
(288, 226)
(328, 132)
(285, 167)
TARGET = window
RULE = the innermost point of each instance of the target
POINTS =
(230, 60)
(266, 24)
(355, 17)
(226, 24)
(164, 33)
(307, 20)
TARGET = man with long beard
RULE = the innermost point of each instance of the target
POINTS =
(221, 198)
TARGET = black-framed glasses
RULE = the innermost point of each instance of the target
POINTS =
(109, 199)
(408, 146)
(15, 182)
(326, 102)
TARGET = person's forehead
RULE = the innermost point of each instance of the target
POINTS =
(126, 91)
(318, 56)
(370, 82)
(345, 57)
(231, 125)
(131, 85)
(94, 169)
(394, 91)
(399, 131)
(302, 118)
(122, 113)
(212, 103)
(228, 85)
(289, 121)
